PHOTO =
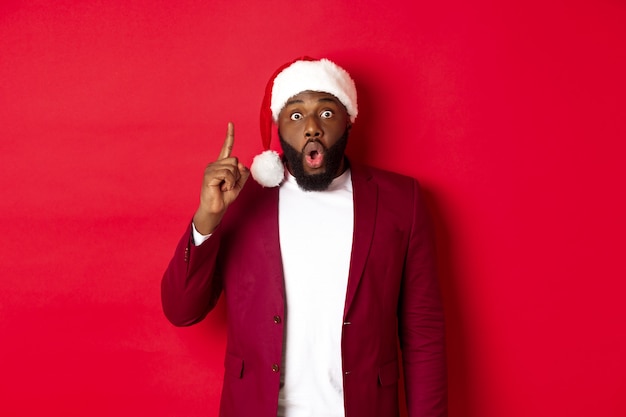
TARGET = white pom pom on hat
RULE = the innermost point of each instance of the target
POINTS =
(303, 74)
(267, 169)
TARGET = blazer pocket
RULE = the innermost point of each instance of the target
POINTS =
(389, 373)
(233, 366)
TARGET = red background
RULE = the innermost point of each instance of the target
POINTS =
(512, 116)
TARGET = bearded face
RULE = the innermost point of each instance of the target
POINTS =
(314, 152)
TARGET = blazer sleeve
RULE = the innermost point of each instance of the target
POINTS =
(191, 285)
(421, 321)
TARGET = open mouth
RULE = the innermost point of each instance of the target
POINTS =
(313, 154)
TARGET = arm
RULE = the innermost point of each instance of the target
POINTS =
(421, 322)
(190, 286)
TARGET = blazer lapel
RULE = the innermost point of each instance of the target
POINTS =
(365, 195)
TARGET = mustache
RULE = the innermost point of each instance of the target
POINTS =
(339, 144)
(313, 140)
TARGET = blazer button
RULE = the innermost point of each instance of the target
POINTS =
(277, 319)
(275, 368)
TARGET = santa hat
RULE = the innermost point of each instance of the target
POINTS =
(303, 74)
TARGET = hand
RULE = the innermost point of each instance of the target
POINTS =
(223, 180)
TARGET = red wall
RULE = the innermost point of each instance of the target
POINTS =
(512, 115)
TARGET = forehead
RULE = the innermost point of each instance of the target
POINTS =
(312, 97)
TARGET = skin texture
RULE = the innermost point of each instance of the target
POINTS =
(313, 117)
(222, 182)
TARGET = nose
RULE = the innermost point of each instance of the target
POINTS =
(312, 129)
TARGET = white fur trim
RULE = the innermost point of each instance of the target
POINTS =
(267, 169)
(323, 76)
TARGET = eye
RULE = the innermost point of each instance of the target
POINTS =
(326, 114)
(296, 116)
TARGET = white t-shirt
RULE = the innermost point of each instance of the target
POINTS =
(316, 244)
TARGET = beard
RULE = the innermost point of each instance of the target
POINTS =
(333, 158)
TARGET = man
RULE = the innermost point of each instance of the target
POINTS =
(323, 271)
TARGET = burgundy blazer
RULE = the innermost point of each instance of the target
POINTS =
(392, 295)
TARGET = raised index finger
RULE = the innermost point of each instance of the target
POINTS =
(227, 147)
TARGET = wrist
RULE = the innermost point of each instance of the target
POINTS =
(205, 223)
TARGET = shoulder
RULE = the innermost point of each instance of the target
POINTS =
(387, 181)
(396, 194)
